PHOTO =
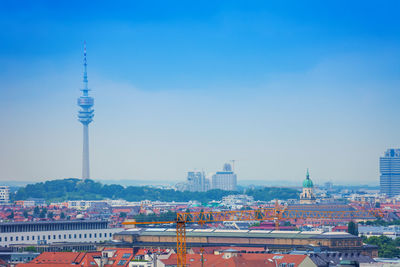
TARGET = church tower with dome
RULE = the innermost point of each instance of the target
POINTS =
(307, 196)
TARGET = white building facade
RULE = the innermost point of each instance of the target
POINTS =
(47, 232)
(225, 180)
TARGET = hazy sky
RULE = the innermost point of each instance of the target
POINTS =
(279, 86)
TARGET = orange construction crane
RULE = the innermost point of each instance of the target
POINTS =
(276, 213)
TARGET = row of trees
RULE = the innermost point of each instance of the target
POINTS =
(387, 247)
(75, 189)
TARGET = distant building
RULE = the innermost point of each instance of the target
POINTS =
(237, 201)
(4, 194)
(389, 166)
(328, 185)
(225, 180)
(307, 196)
(392, 231)
(197, 182)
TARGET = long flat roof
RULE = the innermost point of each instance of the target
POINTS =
(52, 222)
(237, 233)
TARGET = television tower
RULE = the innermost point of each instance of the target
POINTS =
(85, 116)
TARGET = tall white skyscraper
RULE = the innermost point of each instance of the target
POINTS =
(390, 172)
(225, 180)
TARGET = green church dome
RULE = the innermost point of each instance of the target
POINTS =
(307, 183)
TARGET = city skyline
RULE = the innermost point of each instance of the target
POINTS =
(277, 87)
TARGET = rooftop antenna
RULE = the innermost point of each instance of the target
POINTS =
(233, 164)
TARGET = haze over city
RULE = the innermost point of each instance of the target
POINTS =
(278, 87)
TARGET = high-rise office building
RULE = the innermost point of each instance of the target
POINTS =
(390, 172)
(85, 116)
(225, 179)
(196, 181)
(4, 194)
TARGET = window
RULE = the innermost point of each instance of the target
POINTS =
(121, 262)
(100, 235)
(290, 264)
(11, 238)
(0, 238)
(44, 237)
(54, 237)
(33, 237)
(110, 234)
(22, 238)
(16, 238)
(85, 235)
(282, 265)
(27, 237)
(80, 235)
(90, 235)
(59, 236)
(65, 236)
(126, 255)
(74, 235)
(69, 236)
(95, 235)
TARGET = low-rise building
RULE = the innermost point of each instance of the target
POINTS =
(392, 231)
(277, 241)
(232, 258)
(46, 232)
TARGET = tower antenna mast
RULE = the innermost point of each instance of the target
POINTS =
(85, 116)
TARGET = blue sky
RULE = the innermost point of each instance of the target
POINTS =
(178, 85)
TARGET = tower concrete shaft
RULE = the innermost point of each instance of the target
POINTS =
(85, 116)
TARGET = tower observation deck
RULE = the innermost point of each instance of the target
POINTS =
(85, 116)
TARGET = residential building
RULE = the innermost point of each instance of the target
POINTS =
(63, 259)
(225, 179)
(233, 258)
(47, 232)
(237, 201)
(196, 181)
(389, 166)
(4, 194)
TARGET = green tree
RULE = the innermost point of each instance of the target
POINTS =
(386, 246)
(31, 249)
(352, 228)
(25, 213)
(122, 214)
(50, 215)
(42, 214)
(62, 215)
(36, 211)
(11, 216)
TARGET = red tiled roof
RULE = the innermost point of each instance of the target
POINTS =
(241, 259)
(43, 265)
(63, 259)
(210, 250)
(56, 257)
